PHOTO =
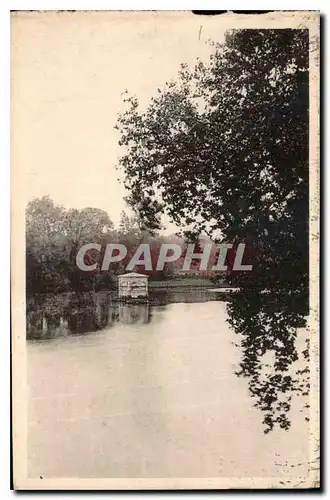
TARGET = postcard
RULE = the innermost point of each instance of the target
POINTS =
(165, 250)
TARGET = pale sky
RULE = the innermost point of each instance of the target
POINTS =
(68, 73)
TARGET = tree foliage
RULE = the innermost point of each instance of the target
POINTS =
(224, 150)
(53, 238)
(54, 235)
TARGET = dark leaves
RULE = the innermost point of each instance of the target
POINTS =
(228, 143)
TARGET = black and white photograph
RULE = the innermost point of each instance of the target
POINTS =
(165, 250)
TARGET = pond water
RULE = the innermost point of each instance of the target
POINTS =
(147, 390)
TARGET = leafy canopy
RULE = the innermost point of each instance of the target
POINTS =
(224, 150)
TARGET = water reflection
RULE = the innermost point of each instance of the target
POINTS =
(86, 312)
(134, 314)
(270, 359)
(52, 316)
(276, 365)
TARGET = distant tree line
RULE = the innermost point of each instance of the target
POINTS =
(54, 235)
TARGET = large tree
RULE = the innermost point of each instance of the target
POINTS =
(224, 150)
(53, 237)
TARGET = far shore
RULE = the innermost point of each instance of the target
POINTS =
(186, 282)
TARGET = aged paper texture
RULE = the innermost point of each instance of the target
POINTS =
(165, 250)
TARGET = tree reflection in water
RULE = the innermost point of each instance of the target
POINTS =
(267, 324)
(87, 312)
(50, 316)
